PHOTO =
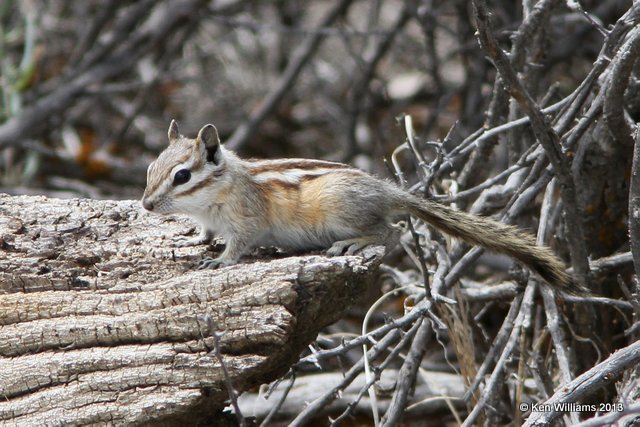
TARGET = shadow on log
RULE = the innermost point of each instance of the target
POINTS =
(101, 317)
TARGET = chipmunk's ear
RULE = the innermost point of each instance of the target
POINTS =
(173, 132)
(208, 135)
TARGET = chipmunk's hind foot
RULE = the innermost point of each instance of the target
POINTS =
(351, 246)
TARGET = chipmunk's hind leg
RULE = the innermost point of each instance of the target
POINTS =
(363, 219)
(385, 237)
(351, 246)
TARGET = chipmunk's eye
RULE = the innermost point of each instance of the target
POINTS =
(182, 176)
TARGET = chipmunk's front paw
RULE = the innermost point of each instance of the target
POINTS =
(201, 239)
(213, 263)
(182, 242)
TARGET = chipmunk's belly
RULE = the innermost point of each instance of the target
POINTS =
(304, 237)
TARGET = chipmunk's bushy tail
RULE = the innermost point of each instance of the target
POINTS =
(496, 236)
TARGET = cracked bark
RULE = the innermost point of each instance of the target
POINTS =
(101, 317)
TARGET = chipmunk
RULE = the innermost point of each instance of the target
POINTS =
(308, 204)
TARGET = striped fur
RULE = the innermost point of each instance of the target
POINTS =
(485, 232)
(310, 204)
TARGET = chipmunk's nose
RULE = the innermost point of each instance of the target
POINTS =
(147, 204)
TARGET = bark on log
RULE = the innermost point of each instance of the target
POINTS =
(101, 316)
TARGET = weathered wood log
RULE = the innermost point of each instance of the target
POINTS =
(101, 317)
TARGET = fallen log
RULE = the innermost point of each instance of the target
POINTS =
(102, 319)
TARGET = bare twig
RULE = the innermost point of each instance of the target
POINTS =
(563, 351)
(407, 338)
(439, 288)
(608, 50)
(614, 114)
(211, 330)
(312, 409)
(613, 417)
(407, 376)
(417, 312)
(634, 205)
(278, 405)
(522, 39)
(586, 384)
(612, 261)
(494, 381)
(476, 139)
(497, 346)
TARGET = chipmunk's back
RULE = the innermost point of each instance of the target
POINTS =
(310, 203)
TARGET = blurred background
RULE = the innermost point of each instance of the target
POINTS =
(88, 88)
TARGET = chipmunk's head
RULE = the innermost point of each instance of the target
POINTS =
(186, 174)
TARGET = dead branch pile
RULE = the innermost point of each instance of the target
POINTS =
(526, 111)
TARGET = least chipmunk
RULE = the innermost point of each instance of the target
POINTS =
(308, 204)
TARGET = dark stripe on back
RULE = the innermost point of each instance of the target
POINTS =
(301, 164)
